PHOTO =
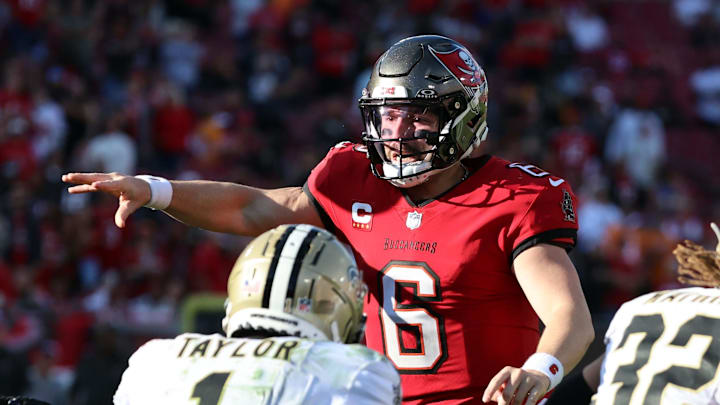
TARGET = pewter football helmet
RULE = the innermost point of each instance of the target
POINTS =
(297, 280)
(423, 75)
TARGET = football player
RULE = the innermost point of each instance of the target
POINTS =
(294, 296)
(662, 347)
(463, 254)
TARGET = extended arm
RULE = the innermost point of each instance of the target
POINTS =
(550, 282)
(216, 206)
(235, 208)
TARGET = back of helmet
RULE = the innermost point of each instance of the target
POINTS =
(296, 280)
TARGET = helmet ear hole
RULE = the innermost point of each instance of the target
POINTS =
(447, 152)
(457, 105)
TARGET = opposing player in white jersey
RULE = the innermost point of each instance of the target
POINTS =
(662, 348)
(295, 295)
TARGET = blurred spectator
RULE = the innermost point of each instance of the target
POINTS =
(636, 140)
(156, 309)
(181, 53)
(587, 29)
(20, 328)
(597, 213)
(242, 10)
(43, 384)
(13, 372)
(100, 369)
(209, 266)
(705, 82)
(112, 150)
(173, 123)
(23, 246)
(48, 119)
(689, 12)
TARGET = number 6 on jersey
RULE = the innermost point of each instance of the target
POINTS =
(429, 350)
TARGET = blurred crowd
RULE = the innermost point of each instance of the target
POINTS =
(621, 98)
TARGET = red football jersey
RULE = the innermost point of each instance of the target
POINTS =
(444, 305)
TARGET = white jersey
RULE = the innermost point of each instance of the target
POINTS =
(199, 369)
(663, 348)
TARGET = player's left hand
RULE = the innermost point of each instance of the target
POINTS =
(516, 386)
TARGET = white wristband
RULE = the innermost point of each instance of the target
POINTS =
(160, 191)
(548, 365)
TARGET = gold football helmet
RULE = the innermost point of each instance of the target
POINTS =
(297, 280)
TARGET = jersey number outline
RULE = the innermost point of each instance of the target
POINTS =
(428, 327)
(209, 390)
(530, 169)
(652, 327)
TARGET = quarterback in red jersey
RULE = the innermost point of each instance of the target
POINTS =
(463, 257)
(444, 300)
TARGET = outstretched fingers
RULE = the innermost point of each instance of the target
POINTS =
(496, 385)
(85, 178)
(112, 186)
(87, 182)
(83, 188)
(132, 193)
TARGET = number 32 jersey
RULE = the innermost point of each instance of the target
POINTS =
(214, 370)
(663, 348)
(444, 305)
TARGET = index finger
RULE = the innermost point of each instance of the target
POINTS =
(495, 384)
(85, 178)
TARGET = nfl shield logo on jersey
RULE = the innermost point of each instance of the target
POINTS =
(413, 220)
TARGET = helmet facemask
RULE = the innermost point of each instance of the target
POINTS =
(403, 141)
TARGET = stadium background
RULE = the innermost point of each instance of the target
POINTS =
(621, 98)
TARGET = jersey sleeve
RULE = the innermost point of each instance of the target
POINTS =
(378, 383)
(140, 372)
(319, 186)
(550, 218)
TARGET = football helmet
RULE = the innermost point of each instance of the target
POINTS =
(427, 78)
(296, 280)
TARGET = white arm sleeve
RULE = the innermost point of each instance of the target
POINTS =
(378, 383)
